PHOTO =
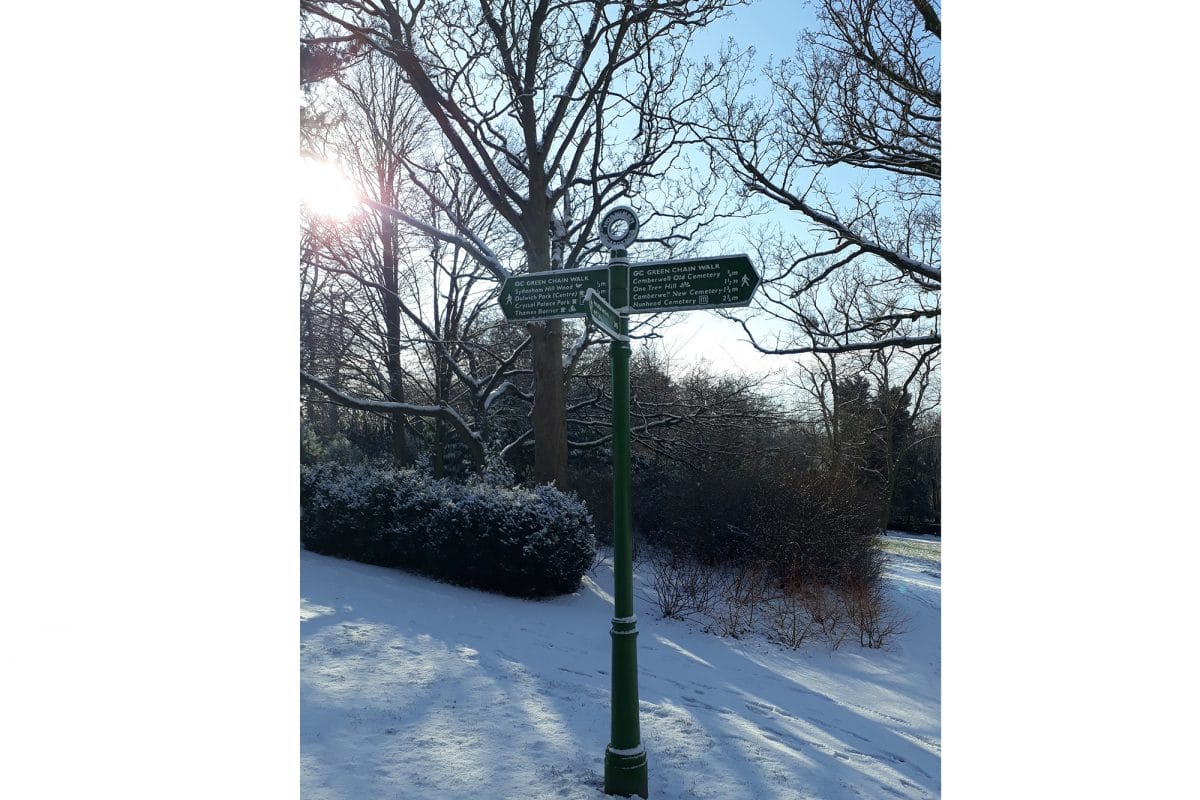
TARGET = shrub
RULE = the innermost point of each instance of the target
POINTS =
(816, 527)
(346, 510)
(522, 542)
(703, 513)
(356, 442)
(870, 613)
(744, 591)
(776, 508)
(682, 586)
(791, 622)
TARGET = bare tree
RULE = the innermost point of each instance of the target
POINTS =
(556, 109)
(453, 314)
(873, 407)
(859, 102)
(376, 129)
(407, 299)
(907, 393)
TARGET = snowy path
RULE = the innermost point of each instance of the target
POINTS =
(412, 688)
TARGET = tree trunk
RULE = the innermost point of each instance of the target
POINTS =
(438, 455)
(549, 396)
(396, 394)
(549, 406)
(885, 516)
(392, 331)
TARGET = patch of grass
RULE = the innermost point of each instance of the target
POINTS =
(912, 548)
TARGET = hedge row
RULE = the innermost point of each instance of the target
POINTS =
(524, 542)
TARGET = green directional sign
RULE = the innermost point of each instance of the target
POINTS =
(551, 295)
(693, 283)
(602, 315)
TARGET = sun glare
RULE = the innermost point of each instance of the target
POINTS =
(326, 191)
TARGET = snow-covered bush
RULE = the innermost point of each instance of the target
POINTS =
(346, 510)
(518, 541)
(315, 448)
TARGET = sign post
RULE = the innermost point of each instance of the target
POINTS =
(720, 282)
(625, 770)
(607, 296)
(602, 315)
(550, 295)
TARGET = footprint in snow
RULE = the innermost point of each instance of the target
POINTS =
(767, 710)
(575, 672)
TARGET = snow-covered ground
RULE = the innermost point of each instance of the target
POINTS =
(413, 688)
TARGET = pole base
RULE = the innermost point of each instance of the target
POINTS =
(625, 774)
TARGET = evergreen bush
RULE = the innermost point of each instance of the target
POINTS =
(523, 542)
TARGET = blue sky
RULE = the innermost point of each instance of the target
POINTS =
(770, 25)
(772, 28)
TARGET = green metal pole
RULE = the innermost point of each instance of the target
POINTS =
(625, 758)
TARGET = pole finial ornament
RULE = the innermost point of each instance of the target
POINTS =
(618, 228)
